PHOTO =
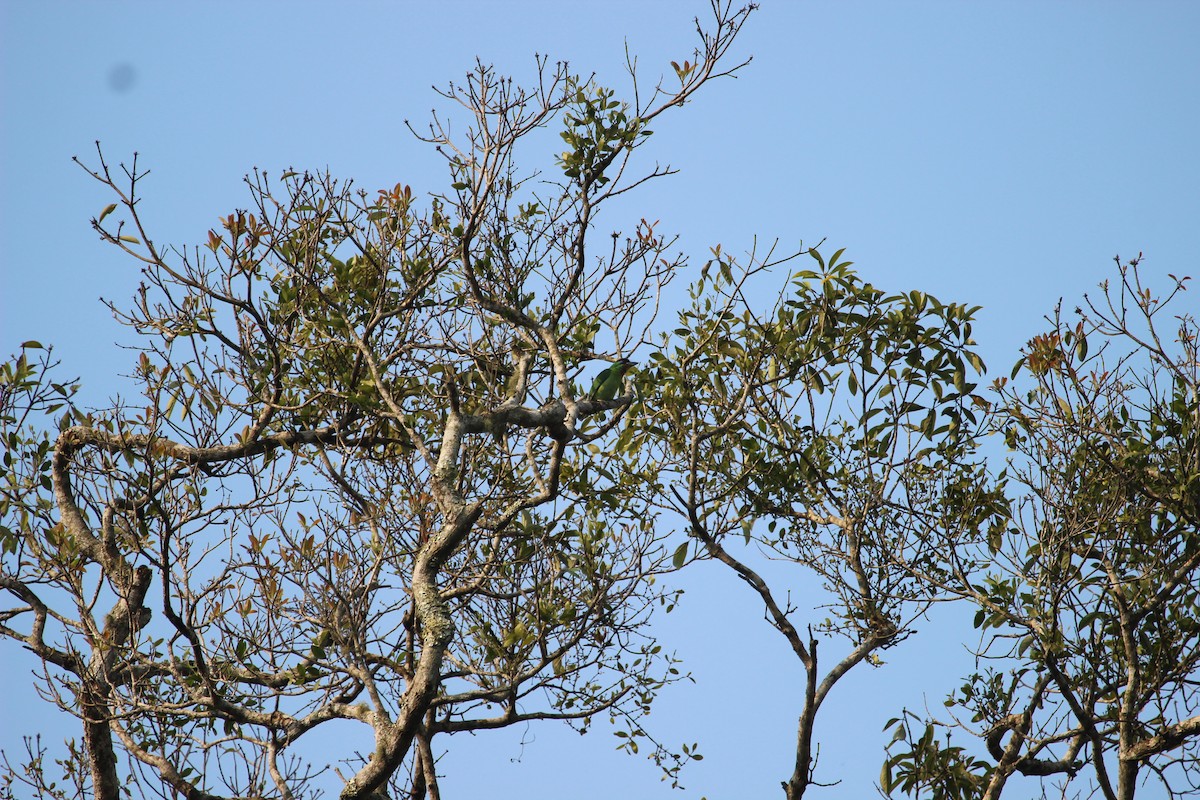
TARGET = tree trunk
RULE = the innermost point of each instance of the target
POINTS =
(794, 788)
(97, 739)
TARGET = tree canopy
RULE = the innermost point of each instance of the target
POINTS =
(1086, 583)
(426, 462)
(360, 482)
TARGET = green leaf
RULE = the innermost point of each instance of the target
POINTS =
(108, 209)
(680, 555)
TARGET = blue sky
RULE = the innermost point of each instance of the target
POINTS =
(994, 153)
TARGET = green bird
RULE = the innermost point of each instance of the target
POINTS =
(608, 382)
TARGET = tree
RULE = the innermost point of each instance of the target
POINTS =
(829, 432)
(359, 483)
(1088, 581)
